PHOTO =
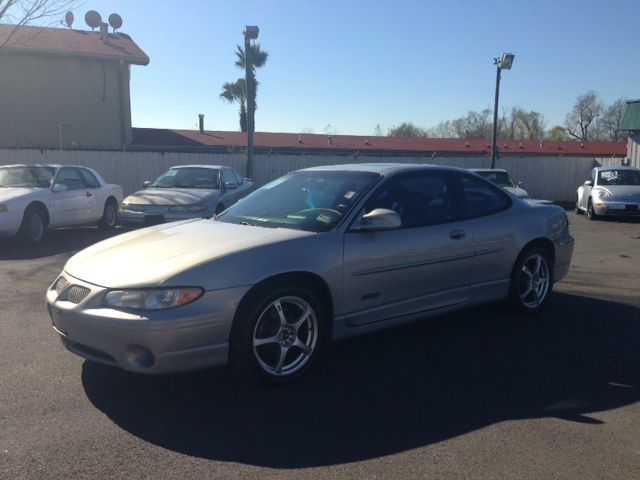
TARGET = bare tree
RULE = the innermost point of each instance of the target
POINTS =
(610, 122)
(19, 13)
(584, 112)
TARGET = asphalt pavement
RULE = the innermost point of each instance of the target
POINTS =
(477, 394)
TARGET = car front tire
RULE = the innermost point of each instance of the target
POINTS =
(109, 215)
(277, 335)
(591, 213)
(34, 225)
(531, 281)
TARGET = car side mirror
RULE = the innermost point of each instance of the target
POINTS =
(378, 220)
(230, 185)
(588, 183)
(146, 183)
(521, 184)
(59, 187)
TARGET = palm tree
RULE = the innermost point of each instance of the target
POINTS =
(258, 58)
(237, 92)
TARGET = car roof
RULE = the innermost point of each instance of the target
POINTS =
(488, 170)
(213, 167)
(618, 167)
(49, 165)
(384, 169)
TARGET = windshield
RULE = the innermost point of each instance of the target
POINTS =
(32, 177)
(314, 201)
(619, 177)
(188, 178)
(502, 179)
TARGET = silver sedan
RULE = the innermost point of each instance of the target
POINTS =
(320, 254)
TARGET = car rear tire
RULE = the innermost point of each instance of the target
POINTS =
(34, 225)
(277, 334)
(531, 281)
(591, 213)
(109, 215)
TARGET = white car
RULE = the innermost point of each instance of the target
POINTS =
(35, 198)
(610, 191)
(502, 178)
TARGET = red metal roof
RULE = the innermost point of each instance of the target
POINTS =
(72, 43)
(167, 138)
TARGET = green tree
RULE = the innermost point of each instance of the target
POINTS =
(557, 133)
(407, 129)
(237, 92)
(258, 58)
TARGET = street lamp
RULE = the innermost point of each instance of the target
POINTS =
(503, 63)
(250, 33)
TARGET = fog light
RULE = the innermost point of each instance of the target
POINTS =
(140, 357)
(601, 205)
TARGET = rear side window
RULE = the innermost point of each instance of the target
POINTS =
(482, 198)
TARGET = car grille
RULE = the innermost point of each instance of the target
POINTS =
(76, 294)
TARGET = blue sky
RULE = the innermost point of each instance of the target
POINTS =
(356, 63)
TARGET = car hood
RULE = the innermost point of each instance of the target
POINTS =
(622, 192)
(169, 196)
(517, 191)
(12, 193)
(150, 256)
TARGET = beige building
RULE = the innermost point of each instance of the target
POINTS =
(62, 88)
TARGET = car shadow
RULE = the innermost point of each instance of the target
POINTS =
(58, 241)
(392, 391)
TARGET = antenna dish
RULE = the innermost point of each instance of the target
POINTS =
(68, 18)
(93, 19)
(115, 21)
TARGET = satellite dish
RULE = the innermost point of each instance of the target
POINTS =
(115, 21)
(93, 19)
(68, 19)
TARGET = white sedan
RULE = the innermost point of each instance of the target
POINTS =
(35, 198)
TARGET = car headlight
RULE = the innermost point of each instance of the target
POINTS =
(602, 194)
(188, 208)
(152, 299)
(131, 207)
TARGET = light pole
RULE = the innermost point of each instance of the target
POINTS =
(503, 63)
(250, 33)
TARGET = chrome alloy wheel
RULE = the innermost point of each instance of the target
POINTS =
(285, 336)
(534, 281)
(110, 215)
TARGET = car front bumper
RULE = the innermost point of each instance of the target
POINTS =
(183, 338)
(607, 207)
(10, 223)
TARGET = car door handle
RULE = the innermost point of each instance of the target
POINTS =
(89, 194)
(457, 234)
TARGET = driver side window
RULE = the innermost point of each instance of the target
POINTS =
(420, 200)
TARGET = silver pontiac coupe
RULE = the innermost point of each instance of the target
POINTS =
(320, 254)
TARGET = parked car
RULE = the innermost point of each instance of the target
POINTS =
(610, 191)
(183, 192)
(322, 253)
(35, 198)
(502, 178)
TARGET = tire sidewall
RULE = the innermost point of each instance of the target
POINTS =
(514, 293)
(104, 223)
(591, 213)
(241, 353)
(24, 232)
